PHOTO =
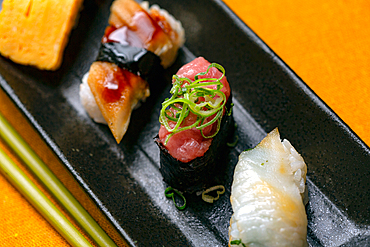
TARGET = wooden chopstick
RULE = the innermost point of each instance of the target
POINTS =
(52, 183)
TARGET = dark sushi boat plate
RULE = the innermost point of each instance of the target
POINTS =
(124, 180)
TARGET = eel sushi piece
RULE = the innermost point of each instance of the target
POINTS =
(267, 196)
(138, 42)
(195, 124)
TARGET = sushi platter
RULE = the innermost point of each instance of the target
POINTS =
(125, 178)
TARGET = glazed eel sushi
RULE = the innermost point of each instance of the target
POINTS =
(195, 124)
(268, 195)
(137, 43)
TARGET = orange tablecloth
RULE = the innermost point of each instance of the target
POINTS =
(325, 43)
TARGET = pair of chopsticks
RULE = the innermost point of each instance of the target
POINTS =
(36, 197)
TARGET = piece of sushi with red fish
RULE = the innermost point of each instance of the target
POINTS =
(196, 123)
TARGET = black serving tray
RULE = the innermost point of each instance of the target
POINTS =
(124, 181)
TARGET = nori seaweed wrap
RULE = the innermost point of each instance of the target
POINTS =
(200, 172)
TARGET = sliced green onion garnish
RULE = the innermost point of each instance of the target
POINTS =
(237, 242)
(196, 97)
(168, 194)
(211, 199)
(233, 144)
(231, 110)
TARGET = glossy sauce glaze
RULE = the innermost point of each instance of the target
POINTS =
(142, 32)
(114, 84)
(116, 91)
(134, 50)
(163, 23)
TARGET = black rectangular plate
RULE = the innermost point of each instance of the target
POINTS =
(124, 181)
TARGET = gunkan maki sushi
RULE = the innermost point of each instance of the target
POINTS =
(195, 125)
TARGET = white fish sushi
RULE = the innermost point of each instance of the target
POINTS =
(267, 196)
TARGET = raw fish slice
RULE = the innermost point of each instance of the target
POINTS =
(190, 144)
(267, 196)
(117, 92)
(192, 159)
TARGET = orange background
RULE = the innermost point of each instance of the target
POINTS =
(327, 43)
